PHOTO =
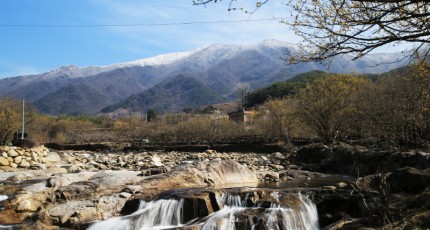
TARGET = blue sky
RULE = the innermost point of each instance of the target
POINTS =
(35, 49)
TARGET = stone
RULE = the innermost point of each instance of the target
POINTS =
(77, 190)
(155, 171)
(12, 153)
(4, 161)
(35, 156)
(277, 156)
(4, 154)
(37, 166)
(277, 167)
(28, 202)
(11, 217)
(271, 176)
(341, 185)
(52, 157)
(86, 214)
(24, 164)
(14, 165)
(156, 161)
(211, 151)
(18, 159)
(329, 187)
(409, 179)
(61, 213)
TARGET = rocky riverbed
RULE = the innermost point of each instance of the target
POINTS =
(351, 186)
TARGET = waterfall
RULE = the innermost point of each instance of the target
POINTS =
(246, 211)
(157, 214)
(298, 213)
(303, 216)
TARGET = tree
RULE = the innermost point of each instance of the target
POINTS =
(151, 115)
(400, 107)
(241, 90)
(10, 117)
(334, 27)
(281, 117)
(9, 123)
(328, 105)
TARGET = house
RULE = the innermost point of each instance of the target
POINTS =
(240, 116)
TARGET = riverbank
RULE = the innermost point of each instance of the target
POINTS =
(350, 185)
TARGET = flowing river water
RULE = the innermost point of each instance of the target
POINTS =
(286, 211)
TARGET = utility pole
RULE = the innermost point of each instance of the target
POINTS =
(23, 123)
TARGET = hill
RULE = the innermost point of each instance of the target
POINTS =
(171, 95)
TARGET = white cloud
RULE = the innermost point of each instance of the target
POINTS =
(142, 40)
(19, 71)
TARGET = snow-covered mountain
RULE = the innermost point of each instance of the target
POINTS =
(219, 67)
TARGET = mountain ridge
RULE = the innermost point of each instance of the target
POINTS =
(218, 67)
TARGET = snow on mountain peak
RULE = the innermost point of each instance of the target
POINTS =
(163, 59)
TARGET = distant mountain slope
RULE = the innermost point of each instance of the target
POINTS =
(73, 99)
(219, 67)
(282, 88)
(171, 95)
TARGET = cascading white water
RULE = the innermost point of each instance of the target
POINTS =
(301, 215)
(158, 214)
(295, 212)
(3, 197)
(7, 227)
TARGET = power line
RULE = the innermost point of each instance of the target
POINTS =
(137, 25)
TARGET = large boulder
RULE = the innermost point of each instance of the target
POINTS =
(4, 161)
(410, 179)
(227, 173)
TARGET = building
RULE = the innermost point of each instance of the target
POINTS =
(240, 116)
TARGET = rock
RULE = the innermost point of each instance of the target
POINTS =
(11, 217)
(60, 213)
(111, 204)
(125, 195)
(410, 179)
(329, 187)
(4, 161)
(36, 188)
(85, 214)
(277, 167)
(73, 168)
(214, 174)
(66, 179)
(230, 172)
(156, 161)
(341, 185)
(77, 190)
(28, 202)
(22, 176)
(12, 153)
(313, 154)
(133, 189)
(211, 151)
(18, 159)
(277, 156)
(113, 179)
(24, 164)
(4, 154)
(271, 176)
(155, 171)
(14, 165)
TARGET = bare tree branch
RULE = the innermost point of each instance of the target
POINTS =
(333, 27)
